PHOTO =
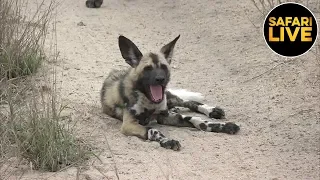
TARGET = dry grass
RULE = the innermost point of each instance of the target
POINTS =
(32, 127)
(22, 37)
(35, 130)
(264, 6)
(317, 47)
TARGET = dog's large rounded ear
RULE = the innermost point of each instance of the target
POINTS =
(129, 51)
(167, 50)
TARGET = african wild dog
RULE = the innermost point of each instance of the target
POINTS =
(94, 3)
(138, 95)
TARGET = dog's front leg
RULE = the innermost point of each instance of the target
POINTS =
(131, 127)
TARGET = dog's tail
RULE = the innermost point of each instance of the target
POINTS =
(187, 95)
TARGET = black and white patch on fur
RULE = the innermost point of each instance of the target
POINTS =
(156, 135)
(144, 110)
(144, 103)
(209, 126)
(211, 112)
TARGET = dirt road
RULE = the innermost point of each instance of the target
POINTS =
(220, 54)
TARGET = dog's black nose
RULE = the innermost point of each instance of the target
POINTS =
(160, 79)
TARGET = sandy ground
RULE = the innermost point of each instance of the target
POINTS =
(220, 54)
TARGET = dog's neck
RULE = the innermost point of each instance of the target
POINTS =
(144, 103)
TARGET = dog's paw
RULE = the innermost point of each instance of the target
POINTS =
(90, 4)
(170, 144)
(174, 110)
(94, 3)
(230, 128)
(98, 3)
(217, 113)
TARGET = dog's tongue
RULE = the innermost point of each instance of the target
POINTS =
(156, 92)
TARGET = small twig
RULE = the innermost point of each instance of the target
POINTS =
(101, 172)
(22, 173)
(269, 70)
(255, 77)
(87, 177)
(257, 7)
(64, 168)
(78, 173)
(157, 164)
(246, 13)
(97, 156)
(112, 155)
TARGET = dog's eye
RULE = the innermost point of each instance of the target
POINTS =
(164, 67)
(148, 68)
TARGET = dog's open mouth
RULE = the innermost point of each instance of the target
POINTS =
(156, 93)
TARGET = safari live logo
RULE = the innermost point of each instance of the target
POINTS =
(290, 29)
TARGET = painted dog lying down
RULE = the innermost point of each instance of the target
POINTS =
(138, 94)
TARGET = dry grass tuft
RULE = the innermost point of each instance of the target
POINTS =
(32, 126)
(264, 6)
(22, 37)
